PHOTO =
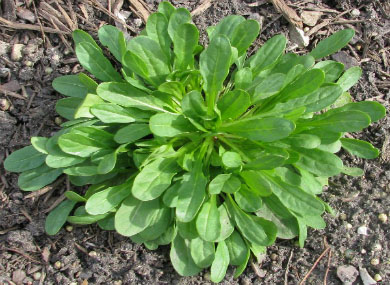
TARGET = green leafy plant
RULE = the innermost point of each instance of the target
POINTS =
(207, 150)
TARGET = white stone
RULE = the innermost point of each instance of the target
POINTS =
(17, 52)
(362, 230)
(298, 37)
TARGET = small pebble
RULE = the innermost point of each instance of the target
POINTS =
(92, 253)
(207, 276)
(138, 22)
(57, 265)
(58, 120)
(358, 47)
(374, 261)
(37, 276)
(28, 63)
(355, 12)
(349, 253)
(69, 228)
(274, 256)
(348, 226)
(362, 230)
(383, 218)
(377, 247)
(306, 29)
(73, 283)
(343, 216)
(48, 70)
(17, 52)
(377, 277)
(363, 251)
(118, 282)
(347, 274)
(4, 104)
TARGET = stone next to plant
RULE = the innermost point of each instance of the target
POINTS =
(206, 150)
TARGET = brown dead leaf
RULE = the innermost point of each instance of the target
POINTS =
(25, 14)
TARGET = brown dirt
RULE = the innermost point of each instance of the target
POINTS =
(88, 255)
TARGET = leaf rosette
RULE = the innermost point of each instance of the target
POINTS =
(207, 150)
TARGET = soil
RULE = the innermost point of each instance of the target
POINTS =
(88, 255)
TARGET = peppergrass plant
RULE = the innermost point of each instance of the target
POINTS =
(207, 150)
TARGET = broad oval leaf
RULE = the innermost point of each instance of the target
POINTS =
(220, 263)
(70, 85)
(157, 30)
(169, 125)
(202, 252)
(350, 78)
(113, 38)
(237, 248)
(181, 258)
(244, 35)
(133, 216)
(233, 104)
(185, 41)
(248, 200)
(359, 148)
(67, 107)
(260, 129)
(24, 159)
(35, 179)
(57, 217)
(178, 17)
(208, 222)
(154, 178)
(332, 44)
(132, 133)
(95, 62)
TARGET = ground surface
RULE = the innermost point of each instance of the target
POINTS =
(88, 255)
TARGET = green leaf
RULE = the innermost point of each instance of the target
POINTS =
(231, 159)
(268, 54)
(303, 140)
(331, 68)
(169, 125)
(187, 230)
(233, 104)
(24, 159)
(104, 201)
(166, 9)
(274, 211)
(220, 263)
(82, 170)
(243, 78)
(252, 179)
(343, 121)
(208, 221)
(332, 44)
(57, 217)
(255, 229)
(214, 63)
(268, 87)
(96, 63)
(224, 183)
(73, 196)
(258, 129)
(373, 109)
(37, 178)
(319, 162)
(268, 159)
(67, 107)
(178, 17)
(107, 163)
(70, 85)
(81, 217)
(83, 110)
(292, 196)
(171, 195)
(80, 36)
(191, 194)
(353, 171)
(202, 252)
(154, 178)
(350, 78)
(244, 35)
(237, 248)
(39, 143)
(133, 216)
(158, 226)
(226, 224)
(248, 200)
(193, 105)
(227, 26)
(359, 148)
(112, 113)
(112, 38)
(88, 82)
(240, 269)
(108, 223)
(181, 258)
(126, 95)
(157, 30)
(185, 40)
(155, 60)
(131, 133)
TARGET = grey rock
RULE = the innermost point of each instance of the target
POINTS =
(347, 274)
(22, 239)
(366, 278)
(345, 59)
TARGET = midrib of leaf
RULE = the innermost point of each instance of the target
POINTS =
(99, 66)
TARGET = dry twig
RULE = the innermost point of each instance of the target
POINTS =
(11, 93)
(22, 254)
(20, 26)
(140, 8)
(314, 265)
(287, 267)
(204, 5)
(327, 267)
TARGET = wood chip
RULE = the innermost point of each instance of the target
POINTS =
(204, 5)
(140, 8)
(25, 14)
(288, 13)
(19, 26)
